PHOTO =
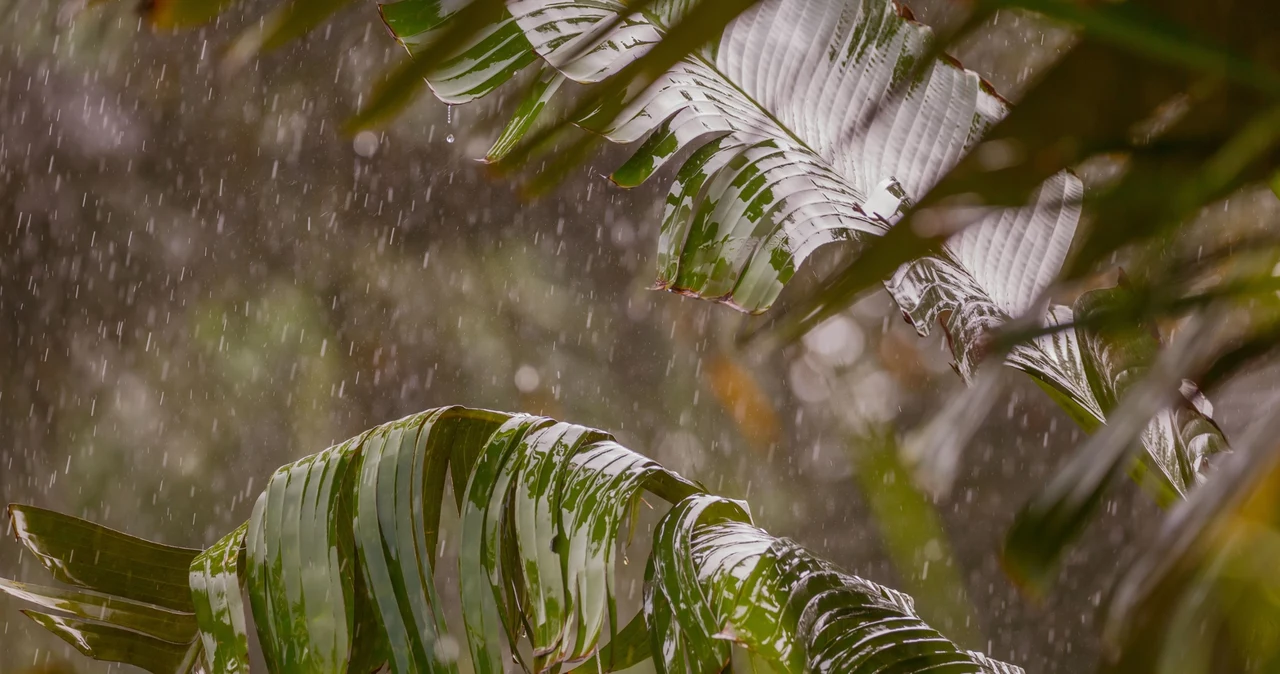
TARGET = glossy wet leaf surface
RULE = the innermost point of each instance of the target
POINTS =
(338, 565)
(134, 605)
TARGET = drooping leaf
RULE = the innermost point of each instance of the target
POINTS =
(527, 114)
(682, 622)
(480, 581)
(338, 560)
(769, 176)
(598, 488)
(94, 557)
(466, 28)
(135, 606)
(1056, 515)
(786, 176)
(112, 643)
(147, 619)
(992, 272)
(1086, 368)
(534, 509)
(791, 609)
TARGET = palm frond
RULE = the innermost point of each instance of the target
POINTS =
(133, 605)
(790, 144)
(339, 564)
(1203, 594)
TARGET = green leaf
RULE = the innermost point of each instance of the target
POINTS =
(215, 591)
(480, 586)
(148, 619)
(682, 625)
(456, 50)
(301, 563)
(1179, 440)
(338, 560)
(527, 114)
(719, 579)
(535, 516)
(397, 514)
(92, 556)
(790, 177)
(1056, 516)
(105, 641)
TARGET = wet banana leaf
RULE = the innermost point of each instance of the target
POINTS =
(398, 502)
(133, 604)
(776, 599)
(442, 36)
(765, 166)
(682, 624)
(772, 176)
(482, 508)
(112, 643)
(298, 568)
(1055, 516)
(1181, 439)
(991, 272)
(94, 557)
(215, 580)
(1176, 128)
(487, 59)
(528, 115)
(998, 271)
(338, 562)
(147, 619)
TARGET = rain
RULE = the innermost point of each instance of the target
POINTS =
(206, 274)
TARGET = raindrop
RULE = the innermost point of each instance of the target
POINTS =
(448, 138)
(526, 377)
(365, 143)
(838, 341)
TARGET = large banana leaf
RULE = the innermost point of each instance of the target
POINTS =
(794, 143)
(338, 563)
(788, 143)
